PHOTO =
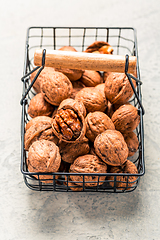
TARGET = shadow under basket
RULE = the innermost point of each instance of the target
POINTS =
(124, 42)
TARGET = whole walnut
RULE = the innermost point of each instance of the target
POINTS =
(72, 74)
(44, 157)
(124, 182)
(126, 118)
(38, 130)
(91, 78)
(88, 164)
(117, 88)
(68, 123)
(132, 142)
(38, 106)
(96, 123)
(43, 119)
(56, 87)
(70, 151)
(92, 99)
(111, 147)
(42, 75)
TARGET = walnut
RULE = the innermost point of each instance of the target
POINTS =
(44, 157)
(42, 75)
(38, 106)
(56, 87)
(111, 147)
(92, 99)
(91, 78)
(132, 143)
(101, 47)
(38, 119)
(70, 151)
(39, 129)
(68, 123)
(72, 74)
(96, 123)
(88, 164)
(117, 88)
(72, 185)
(126, 118)
(124, 182)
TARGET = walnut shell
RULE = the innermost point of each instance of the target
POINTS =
(111, 147)
(43, 156)
(38, 106)
(132, 143)
(68, 123)
(77, 105)
(88, 164)
(92, 99)
(38, 119)
(91, 78)
(96, 123)
(117, 88)
(72, 74)
(42, 75)
(70, 151)
(56, 87)
(126, 118)
(124, 182)
(39, 129)
(101, 47)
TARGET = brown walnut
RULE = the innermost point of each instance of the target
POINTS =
(70, 151)
(38, 106)
(56, 87)
(124, 182)
(96, 123)
(91, 78)
(111, 147)
(117, 88)
(42, 75)
(132, 143)
(92, 99)
(43, 156)
(68, 123)
(126, 118)
(39, 129)
(88, 164)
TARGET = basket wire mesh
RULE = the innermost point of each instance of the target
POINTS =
(124, 42)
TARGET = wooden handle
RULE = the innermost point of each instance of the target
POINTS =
(85, 61)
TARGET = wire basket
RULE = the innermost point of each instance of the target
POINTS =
(124, 42)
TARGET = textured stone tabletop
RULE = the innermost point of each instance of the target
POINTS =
(25, 214)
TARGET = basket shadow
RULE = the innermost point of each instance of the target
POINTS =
(66, 212)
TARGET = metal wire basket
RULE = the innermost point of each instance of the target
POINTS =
(124, 42)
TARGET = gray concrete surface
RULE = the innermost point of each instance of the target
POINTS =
(25, 214)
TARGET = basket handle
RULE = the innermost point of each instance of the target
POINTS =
(85, 61)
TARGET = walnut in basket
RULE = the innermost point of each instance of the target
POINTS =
(111, 147)
(44, 157)
(39, 128)
(126, 118)
(38, 106)
(96, 123)
(56, 87)
(91, 78)
(124, 182)
(117, 88)
(92, 99)
(68, 123)
(88, 164)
